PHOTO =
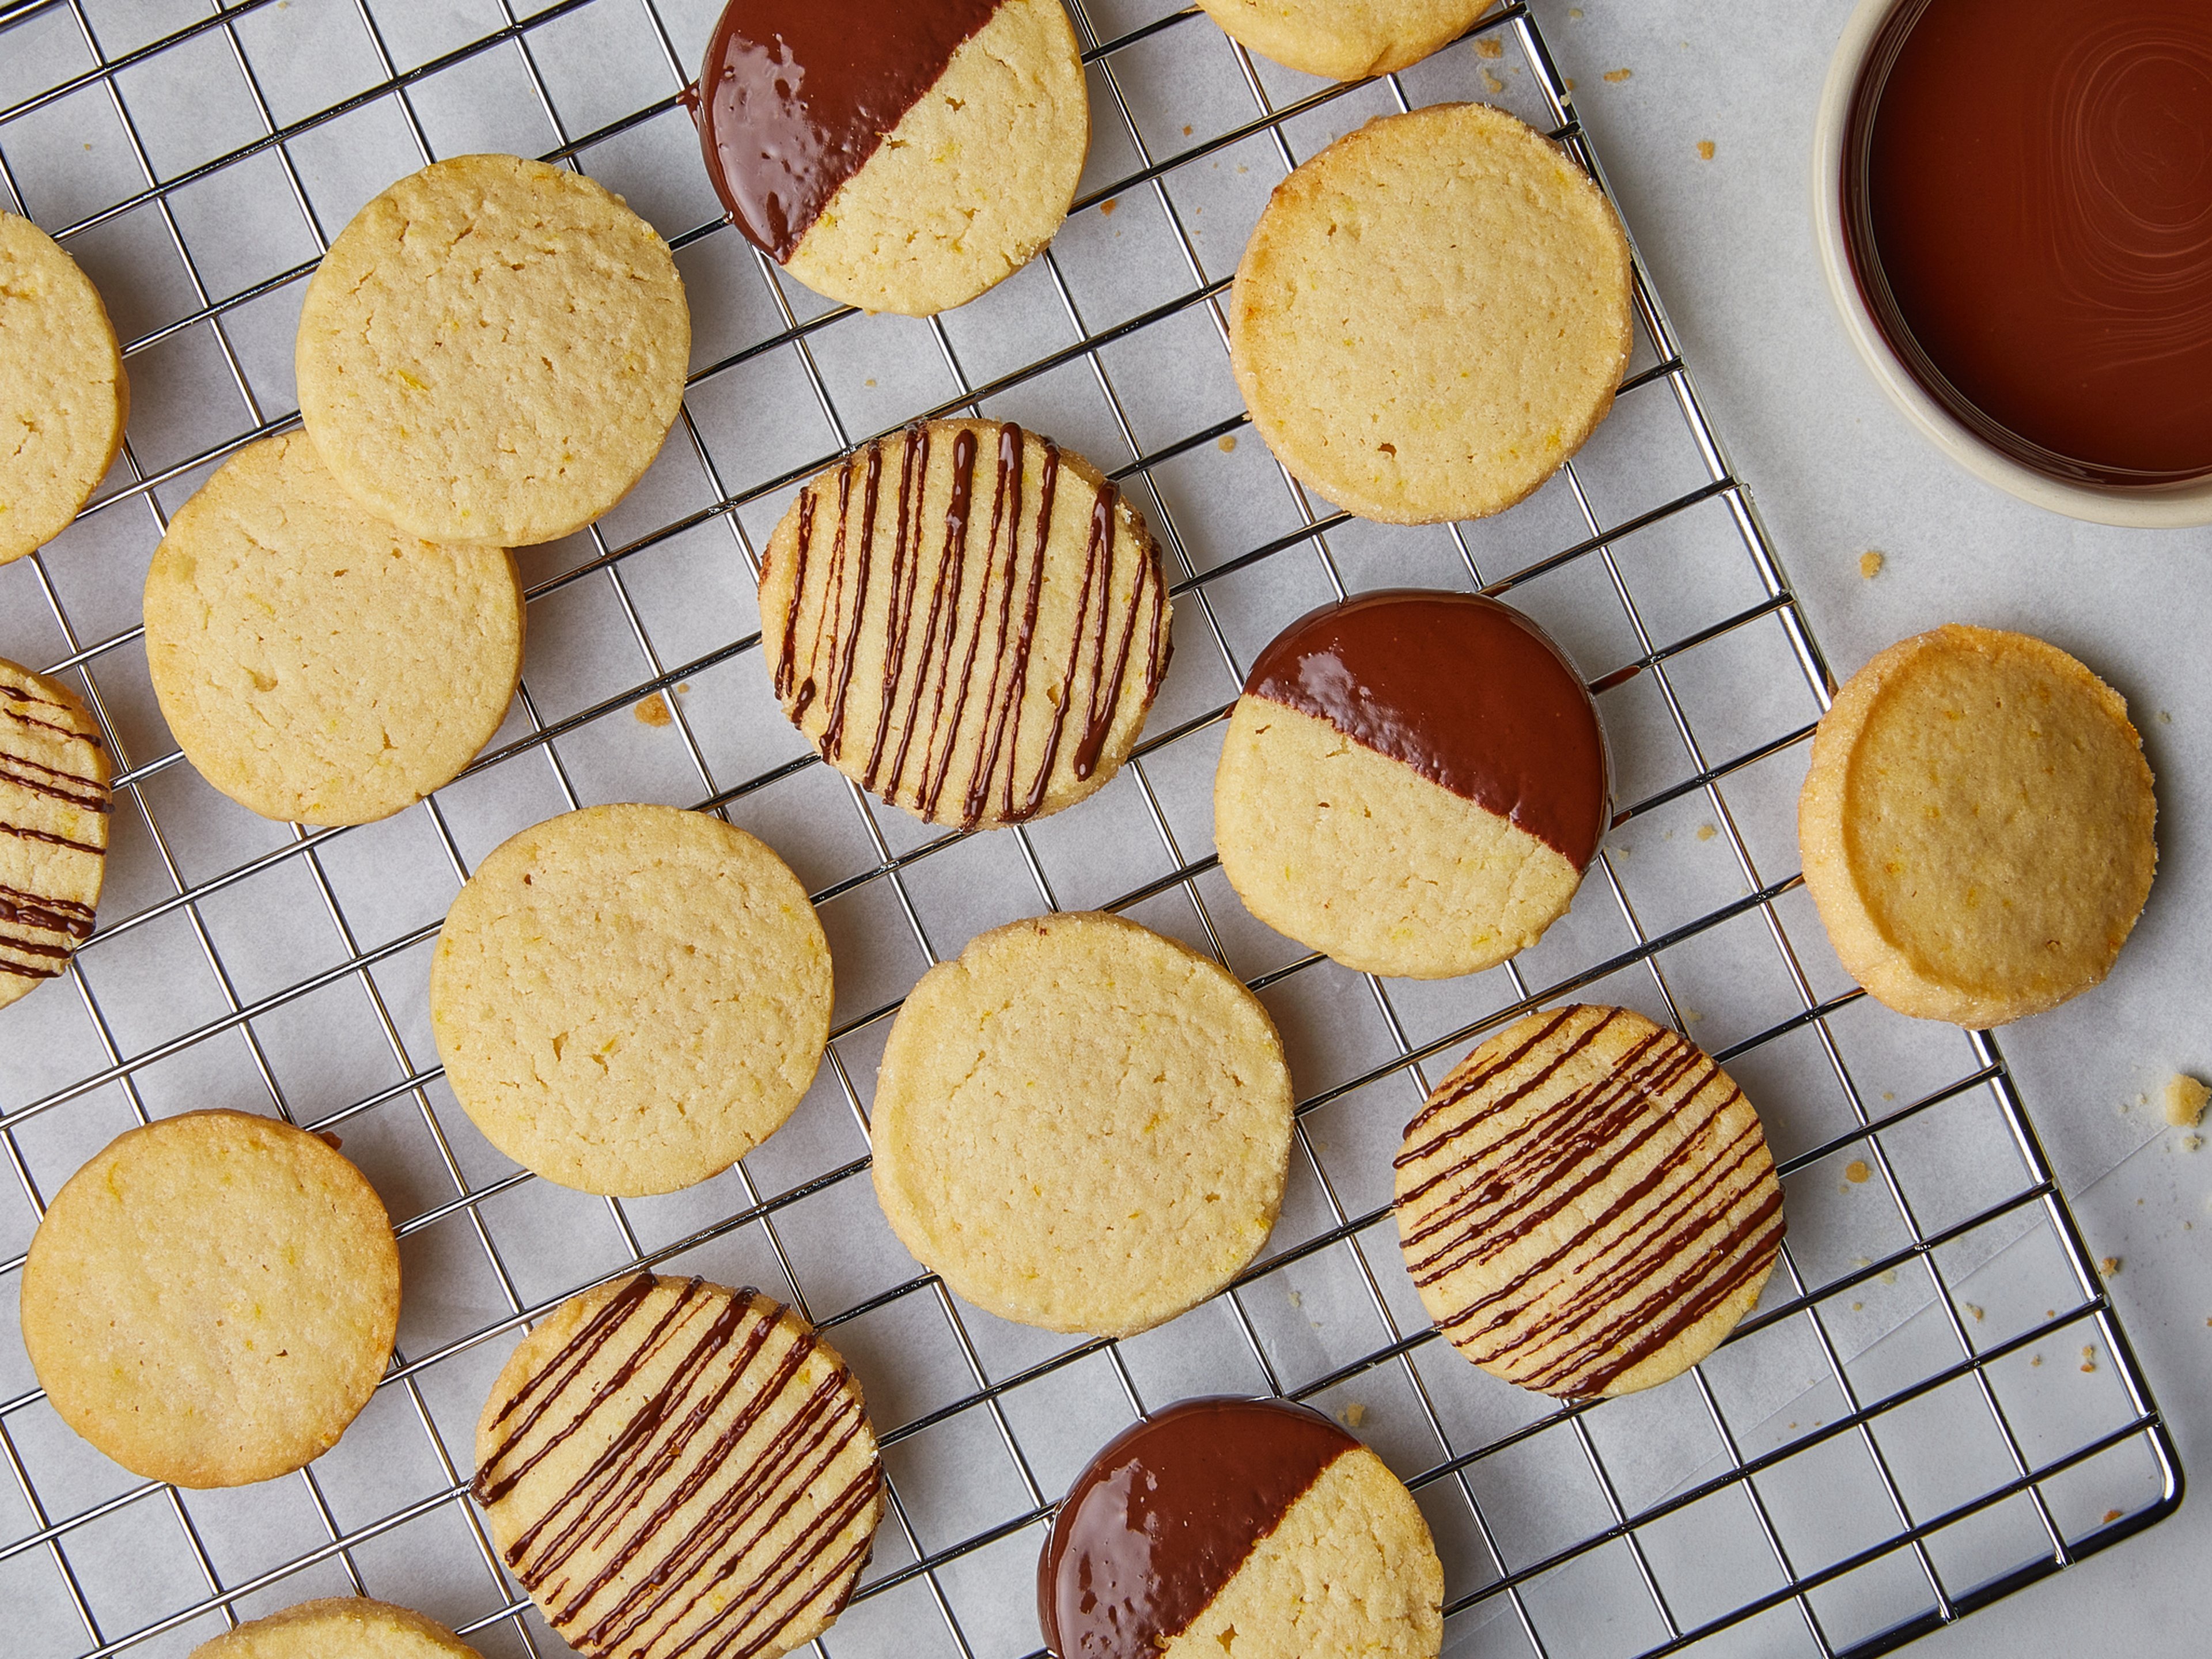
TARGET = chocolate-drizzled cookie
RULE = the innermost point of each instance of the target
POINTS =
(1586, 1204)
(968, 619)
(54, 807)
(678, 1471)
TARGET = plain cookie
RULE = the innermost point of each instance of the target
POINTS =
(919, 155)
(1346, 40)
(1082, 1125)
(968, 620)
(315, 663)
(1413, 783)
(1976, 826)
(1251, 1527)
(1432, 315)
(671, 1469)
(64, 398)
(54, 809)
(1586, 1204)
(212, 1298)
(630, 998)
(492, 352)
(339, 1627)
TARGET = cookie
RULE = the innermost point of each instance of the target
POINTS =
(339, 1627)
(672, 1468)
(893, 570)
(315, 663)
(1346, 40)
(1255, 1527)
(893, 156)
(630, 998)
(1976, 826)
(1432, 315)
(64, 398)
(1413, 783)
(1082, 1125)
(54, 808)
(211, 1299)
(492, 352)
(1586, 1204)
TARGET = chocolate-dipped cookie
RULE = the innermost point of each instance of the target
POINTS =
(1255, 1528)
(967, 619)
(897, 157)
(1586, 1204)
(1413, 783)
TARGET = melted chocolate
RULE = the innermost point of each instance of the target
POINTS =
(795, 95)
(1467, 691)
(2027, 206)
(1158, 1525)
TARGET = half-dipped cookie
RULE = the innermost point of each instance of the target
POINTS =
(1586, 1204)
(1254, 1527)
(54, 809)
(968, 620)
(671, 1468)
(896, 156)
(1413, 783)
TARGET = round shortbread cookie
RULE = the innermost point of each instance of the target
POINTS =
(64, 398)
(1346, 40)
(1976, 826)
(674, 1469)
(1586, 1204)
(1082, 1125)
(339, 1627)
(54, 808)
(1255, 1527)
(1432, 315)
(313, 663)
(629, 999)
(920, 154)
(211, 1299)
(1411, 783)
(492, 351)
(967, 619)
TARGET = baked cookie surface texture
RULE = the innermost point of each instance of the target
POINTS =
(630, 998)
(968, 620)
(1586, 1204)
(64, 397)
(1255, 1527)
(492, 351)
(896, 156)
(678, 1471)
(1082, 1125)
(1413, 783)
(211, 1299)
(315, 663)
(1978, 826)
(1346, 40)
(338, 1627)
(54, 810)
(1431, 315)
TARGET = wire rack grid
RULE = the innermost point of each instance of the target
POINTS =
(1933, 1405)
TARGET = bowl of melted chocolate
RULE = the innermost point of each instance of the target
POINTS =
(2014, 204)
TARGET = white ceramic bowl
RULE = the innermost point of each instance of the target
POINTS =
(2161, 507)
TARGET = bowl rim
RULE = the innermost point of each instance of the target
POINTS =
(2179, 506)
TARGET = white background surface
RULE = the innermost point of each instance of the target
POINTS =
(1835, 471)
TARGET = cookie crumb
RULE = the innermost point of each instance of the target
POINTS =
(2184, 1099)
(1353, 1415)
(2189, 1144)
(1857, 1306)
(2112, 1515)
(1705, 150)
(2110, 1266)
(1490, 80)
(1187, 130)
(1706, 832)
(1570, 86)
(1973, 1310)
(1618, 76)
(1871, 562)
(1490, 46)
(1106, 208)
(1575, 15)
(2037, 1358)
(1226, 443)
(1889, 1094)
(1856, 1170)
(1692, 1015)
(1887, 1275)
(1297, 1300)
(654, 711)
(2164, 717)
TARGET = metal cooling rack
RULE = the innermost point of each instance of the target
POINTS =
(1934, 1405)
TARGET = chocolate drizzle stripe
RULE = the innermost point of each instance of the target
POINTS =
(26, 970)
(552, 1377)
(913, 477)
(1452, 1093)
(29, 833)
(92, 798)
(48, 915)
(17, 714)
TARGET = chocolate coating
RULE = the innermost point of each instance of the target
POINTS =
(1468, 692)
(795, 95)
(1158, 1525)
